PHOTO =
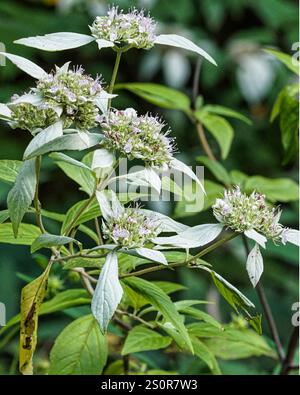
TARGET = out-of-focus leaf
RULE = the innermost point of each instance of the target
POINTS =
(219, 128)
(226, 112)
(9, 170)
(159, 95)
(289, 61)
(276, 190)
(216, 168)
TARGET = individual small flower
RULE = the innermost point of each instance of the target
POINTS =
(131, 229)
(138, 137)
(134, 28)
(241, 213)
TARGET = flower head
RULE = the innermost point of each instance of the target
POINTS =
(139, 137)
(131, 228)
(241, 213)
(30, 117)
(67, 94)
(134, 28)
(74, 93)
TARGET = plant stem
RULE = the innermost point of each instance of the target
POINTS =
(82, 210)
(114, 75)
(288, 360)
(203, 140)
(135, 317)
(198, 124)
(37, 205)
(185, 263)
(267, 310)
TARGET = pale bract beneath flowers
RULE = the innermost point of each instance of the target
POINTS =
(135, 231)
(257, 220)
(118, 30)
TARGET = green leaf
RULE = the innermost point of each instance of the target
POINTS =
(144, 339)
(212, 189)
(77, 171)
(219, 128)
(26, 235)
(233, 296)
(22, 193)
(289, 61)
(276, 190)
(162, 302)
(200, 315)
(47, 241)
(91, 212)
(204, 329)
(159, 95)
(216, 169)
(9, 170)
(80, 349)
(238, 344)
(31, 299)
(289, 123)
(3, 216)
(238, 178)
(227, 112)
(205, 354)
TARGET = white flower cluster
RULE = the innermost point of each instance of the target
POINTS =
(74, 92)
(131, 228)
(134, 29)
(66, 94)
(139, 137)
(240, 212)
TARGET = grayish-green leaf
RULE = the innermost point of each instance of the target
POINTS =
(26, 65)
(43, 138)
(56, 41)
(174, 40)
(47, 241)
(255, 265)
(108, 292)
(22, 193)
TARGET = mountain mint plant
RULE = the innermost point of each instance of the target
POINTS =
(68, 110)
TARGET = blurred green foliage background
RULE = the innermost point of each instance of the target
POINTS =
(246, 79)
